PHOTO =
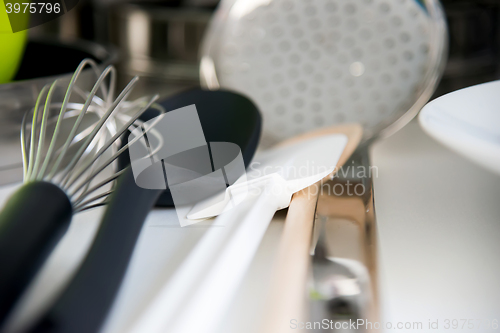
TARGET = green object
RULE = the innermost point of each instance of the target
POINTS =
(11, 47)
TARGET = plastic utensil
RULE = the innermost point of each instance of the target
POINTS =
(468, 122)
(219, 112)
(203, 285)
(85, 302)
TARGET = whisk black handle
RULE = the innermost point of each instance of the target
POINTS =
(31, 223)
(86, 301)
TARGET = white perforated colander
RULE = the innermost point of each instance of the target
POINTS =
(314, 63)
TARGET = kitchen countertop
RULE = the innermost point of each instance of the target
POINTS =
(438, 221)
(439, 233)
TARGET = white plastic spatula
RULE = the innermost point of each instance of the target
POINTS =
(283, 170)
(201, 290)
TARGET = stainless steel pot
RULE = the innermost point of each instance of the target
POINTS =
(158, 42)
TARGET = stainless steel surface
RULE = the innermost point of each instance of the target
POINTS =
(344, 246)
(158, 42)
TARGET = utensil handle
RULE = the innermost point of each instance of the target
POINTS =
(169, 300)
(288, 293)
(84, 304)
(222, 255)
(31, 223)
(213, 297)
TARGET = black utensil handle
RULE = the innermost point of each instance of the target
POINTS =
(31, 222)
(84, 304)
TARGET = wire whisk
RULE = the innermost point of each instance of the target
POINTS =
(75, 161)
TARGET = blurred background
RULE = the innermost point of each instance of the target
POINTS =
(159, 40)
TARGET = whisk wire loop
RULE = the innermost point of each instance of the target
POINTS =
(43, 129)
(33, 132)
(24, 146)
(107, 71)
(99, 185)
(64, 106)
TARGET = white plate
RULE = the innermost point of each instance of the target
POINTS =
(468, 122)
